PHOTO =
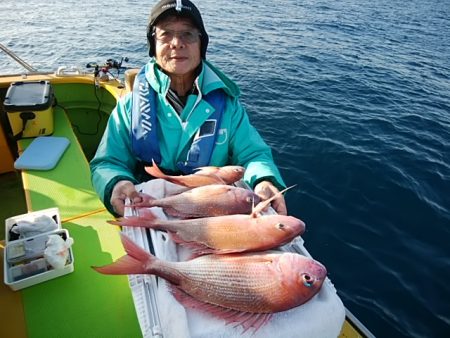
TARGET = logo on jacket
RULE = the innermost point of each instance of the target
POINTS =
(145, 107)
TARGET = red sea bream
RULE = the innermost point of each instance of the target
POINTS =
(203, 176)
(224, 234)
(239, 288)
(204, 201)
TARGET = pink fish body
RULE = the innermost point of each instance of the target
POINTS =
(204, 175)
(224, 234)
(204, 201)
(243, 288)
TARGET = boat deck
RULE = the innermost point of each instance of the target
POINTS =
(79, 301)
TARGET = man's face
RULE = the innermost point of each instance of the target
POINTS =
(177, 46)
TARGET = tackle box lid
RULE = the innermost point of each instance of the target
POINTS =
(32, 95)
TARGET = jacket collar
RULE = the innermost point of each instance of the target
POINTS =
(209, 79)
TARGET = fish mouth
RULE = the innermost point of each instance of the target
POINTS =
(320, 271)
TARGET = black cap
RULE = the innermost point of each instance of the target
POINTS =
(183, 8)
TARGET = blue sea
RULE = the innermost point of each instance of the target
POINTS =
(354, 98)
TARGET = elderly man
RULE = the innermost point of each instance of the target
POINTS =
(183, 113)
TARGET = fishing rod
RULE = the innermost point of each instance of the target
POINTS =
(17, 59)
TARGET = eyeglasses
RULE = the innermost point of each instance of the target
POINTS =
(166, 36)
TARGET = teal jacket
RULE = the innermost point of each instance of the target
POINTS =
(238, 142)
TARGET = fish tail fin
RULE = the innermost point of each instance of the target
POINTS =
(125, 265)
(135, 262)
(262, 205)
(155, 171)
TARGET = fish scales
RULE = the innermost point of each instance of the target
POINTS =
(204, 201)
(189, 206)
(224, 234)
(244, 287)
(203, 176)
(234, 231)
(209, 231)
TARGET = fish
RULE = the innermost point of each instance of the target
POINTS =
(204, 201)
(203, 175)
(246, 289)
(225, 234)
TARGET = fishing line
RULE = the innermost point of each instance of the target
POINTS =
(99, 114)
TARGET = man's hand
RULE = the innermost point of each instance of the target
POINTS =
(266, 190)
(123, 190)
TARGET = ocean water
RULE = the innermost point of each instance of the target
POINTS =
(354, 98)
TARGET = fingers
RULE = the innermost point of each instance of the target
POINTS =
(266, 190)
(262, 190)
(142, 201)
(123, 190)
(279, 204)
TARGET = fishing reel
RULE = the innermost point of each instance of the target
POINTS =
(103, 72)
(111, 63)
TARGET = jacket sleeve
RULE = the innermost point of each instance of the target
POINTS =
(114, 160)
(247, 148)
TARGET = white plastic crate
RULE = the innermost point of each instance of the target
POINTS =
(24, 263)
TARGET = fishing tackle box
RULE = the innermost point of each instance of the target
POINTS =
(29, 106)
(24, 264)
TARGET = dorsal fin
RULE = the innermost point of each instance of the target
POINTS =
(262, 205)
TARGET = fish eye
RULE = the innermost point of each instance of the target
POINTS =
(308, 281)
(280, 226)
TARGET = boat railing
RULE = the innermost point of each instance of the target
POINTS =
(21, 62)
